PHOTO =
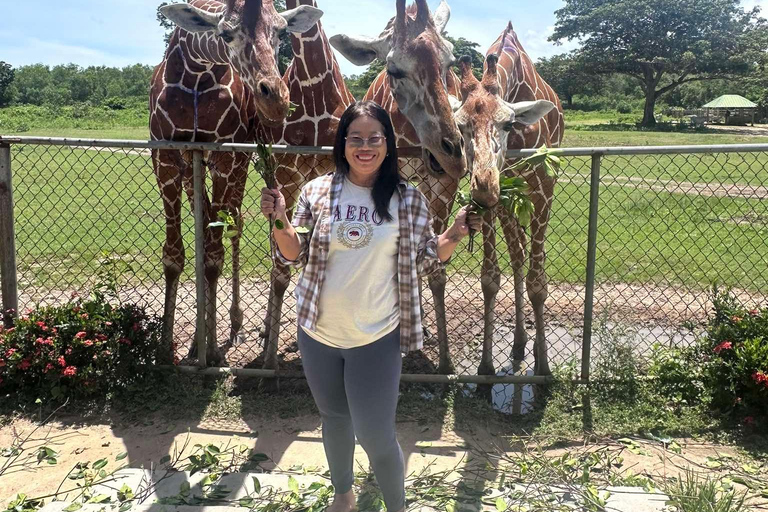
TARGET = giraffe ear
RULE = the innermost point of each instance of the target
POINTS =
(441, 16)
(361, 50)
(302, 18)
(191, 18)
(529, 112)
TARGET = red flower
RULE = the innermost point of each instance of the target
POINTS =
(41, 324)
(754, 312)
(44, 341)
(10, 330)
(108, 324)
(2, 363)
(760, 378)
(68, 351)
(726, 345)
(101, 337)
(24, 364)
(107, 353)
(736, 319)
(88, 343)
(10, 352)
(48, 368)
(62, 362)
(749, 420)
(69, 371)
(124, 341)
(80, 335)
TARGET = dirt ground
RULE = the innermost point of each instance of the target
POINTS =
(295, 442)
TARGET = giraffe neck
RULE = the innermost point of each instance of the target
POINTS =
(316, 86)
(512, 58)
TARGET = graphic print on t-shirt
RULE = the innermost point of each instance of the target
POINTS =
(355, 235)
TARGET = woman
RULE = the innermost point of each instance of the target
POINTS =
(363, 236)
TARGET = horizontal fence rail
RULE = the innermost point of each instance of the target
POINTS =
(636, 237)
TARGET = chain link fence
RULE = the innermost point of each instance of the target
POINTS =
(667, 225)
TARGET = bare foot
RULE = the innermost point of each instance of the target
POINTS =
(343, 502)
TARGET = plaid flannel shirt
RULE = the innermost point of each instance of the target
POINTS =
(417, 252)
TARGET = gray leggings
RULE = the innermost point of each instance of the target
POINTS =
(356, 392)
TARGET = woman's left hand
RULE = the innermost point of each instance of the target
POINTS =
(466, 220)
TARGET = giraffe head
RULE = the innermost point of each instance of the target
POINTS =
(485, 120)
(250, 31)
(418, 61)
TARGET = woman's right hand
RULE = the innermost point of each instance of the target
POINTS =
(272, 203)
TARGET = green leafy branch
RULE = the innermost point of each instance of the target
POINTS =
(513, 196)
(544, 155)
(227, 221)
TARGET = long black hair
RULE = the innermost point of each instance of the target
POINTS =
(388, 176)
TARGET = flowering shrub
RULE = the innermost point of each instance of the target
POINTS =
(84, 348)
(735, 354)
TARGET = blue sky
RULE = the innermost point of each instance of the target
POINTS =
(123, 32)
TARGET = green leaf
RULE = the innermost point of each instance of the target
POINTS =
(501, 504)
(165, 459)
(73, 507)
(125, 507)
(256, 485)
(101, 498)
(230, 233)
(279, 224)
(99, 463)
(293, 484)
(301, 230)
(121, 456)
(247, 502)
(218, 225)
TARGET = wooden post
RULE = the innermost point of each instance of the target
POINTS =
(8, 274)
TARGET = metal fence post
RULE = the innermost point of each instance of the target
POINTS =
(8, 274)
(200, 285)
(589, 295)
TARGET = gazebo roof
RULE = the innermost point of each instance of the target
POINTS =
(730, 101)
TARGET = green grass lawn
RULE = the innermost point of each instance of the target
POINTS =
(74, 205)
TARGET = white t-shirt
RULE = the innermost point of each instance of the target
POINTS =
(358, 303)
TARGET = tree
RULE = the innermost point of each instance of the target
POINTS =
(358, 84)
(661, 43)
(6, 79)
(165, 23)
(567, 75)
(463, 47)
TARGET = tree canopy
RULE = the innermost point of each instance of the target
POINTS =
(662, 43)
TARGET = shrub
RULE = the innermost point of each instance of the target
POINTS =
(735, 355)
(678, 374)
(81, 349)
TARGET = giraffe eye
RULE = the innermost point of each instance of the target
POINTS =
(507, 127)
(395, 73)
(227, 36)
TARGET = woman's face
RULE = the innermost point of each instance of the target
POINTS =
(365, 160)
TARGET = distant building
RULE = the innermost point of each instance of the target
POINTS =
(731, 109)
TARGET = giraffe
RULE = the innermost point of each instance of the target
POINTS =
(318, 89)
(420, 91)
(218, 75)
(511, 108)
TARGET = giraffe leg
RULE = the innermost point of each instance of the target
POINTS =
(280, 279)
(516, 243)
(235, 310)
(536, 281)
(169, 167)
(437, 286)
(441, 194)
(490, 280)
